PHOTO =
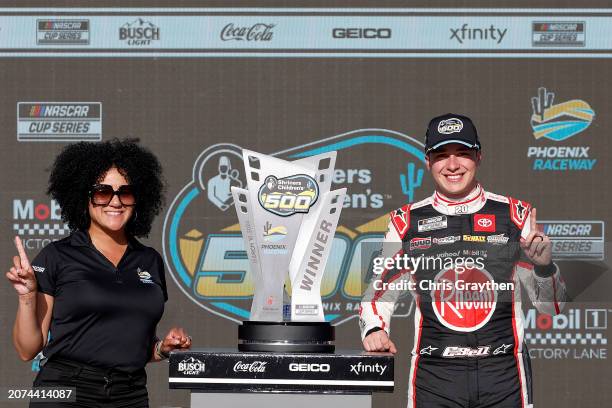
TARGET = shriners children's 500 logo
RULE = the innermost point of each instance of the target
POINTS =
(288, 195)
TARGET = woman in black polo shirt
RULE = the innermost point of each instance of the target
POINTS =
(91, 301)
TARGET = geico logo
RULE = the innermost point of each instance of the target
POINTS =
(361, 33)
(287, 202)
(310, 367)
(26, 210)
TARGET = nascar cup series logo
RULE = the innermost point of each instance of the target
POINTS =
(206, 251)
(459, 306)
(288, 195)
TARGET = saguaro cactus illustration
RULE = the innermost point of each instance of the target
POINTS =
(411, 181)
(543, 101)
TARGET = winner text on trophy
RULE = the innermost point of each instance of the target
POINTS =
(288, 217)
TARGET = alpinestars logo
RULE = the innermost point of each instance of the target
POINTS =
(191, 366)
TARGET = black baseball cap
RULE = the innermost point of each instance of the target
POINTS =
(451, 128)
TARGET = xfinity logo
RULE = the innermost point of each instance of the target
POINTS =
(361, 368)
(191, 366)
(254, 367)
(465, 33)
(367, 33)
(312, 368)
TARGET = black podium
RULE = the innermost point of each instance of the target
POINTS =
(345, 379)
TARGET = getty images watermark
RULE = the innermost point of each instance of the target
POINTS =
(401, 264)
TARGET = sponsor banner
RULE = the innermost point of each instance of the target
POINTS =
(62, 32)
(559, 34)
(59, 121)
(37, 220)
(217, 368)
(207, 31)
(575, 240)
(579, 333)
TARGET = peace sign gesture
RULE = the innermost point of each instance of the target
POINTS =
(537, 246)
(21, 274)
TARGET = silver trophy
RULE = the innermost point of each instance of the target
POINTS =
(288, 217)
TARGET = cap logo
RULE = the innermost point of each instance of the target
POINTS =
(448, 126)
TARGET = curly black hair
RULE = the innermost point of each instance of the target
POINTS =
(81, 165)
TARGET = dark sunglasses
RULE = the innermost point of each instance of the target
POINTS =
(102, 194)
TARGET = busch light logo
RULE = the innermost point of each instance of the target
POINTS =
(139, 32)
(288, 195)
(448, 126)
(191, 366)
(257, 32)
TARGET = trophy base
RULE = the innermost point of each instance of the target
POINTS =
(286, 337)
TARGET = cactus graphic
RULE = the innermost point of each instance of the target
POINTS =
(267, 228)
(542, 102)
(411, 181)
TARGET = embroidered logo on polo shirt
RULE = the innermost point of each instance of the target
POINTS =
(145, 277)
(38, 269)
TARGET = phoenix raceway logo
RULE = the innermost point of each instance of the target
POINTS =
(206, 254)
(557, 123)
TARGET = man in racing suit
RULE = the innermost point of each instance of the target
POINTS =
(468, 344)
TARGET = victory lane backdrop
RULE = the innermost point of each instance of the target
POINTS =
(195, 113)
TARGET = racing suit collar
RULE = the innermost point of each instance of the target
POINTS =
(469, 204)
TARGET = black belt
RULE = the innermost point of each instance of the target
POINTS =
(107, 376)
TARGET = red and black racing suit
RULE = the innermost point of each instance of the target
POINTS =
(468, 343)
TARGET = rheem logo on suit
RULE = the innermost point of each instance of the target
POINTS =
(59, 121)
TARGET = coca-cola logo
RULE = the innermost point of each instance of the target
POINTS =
(254, 367)
(256, 32)
(458, 304)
